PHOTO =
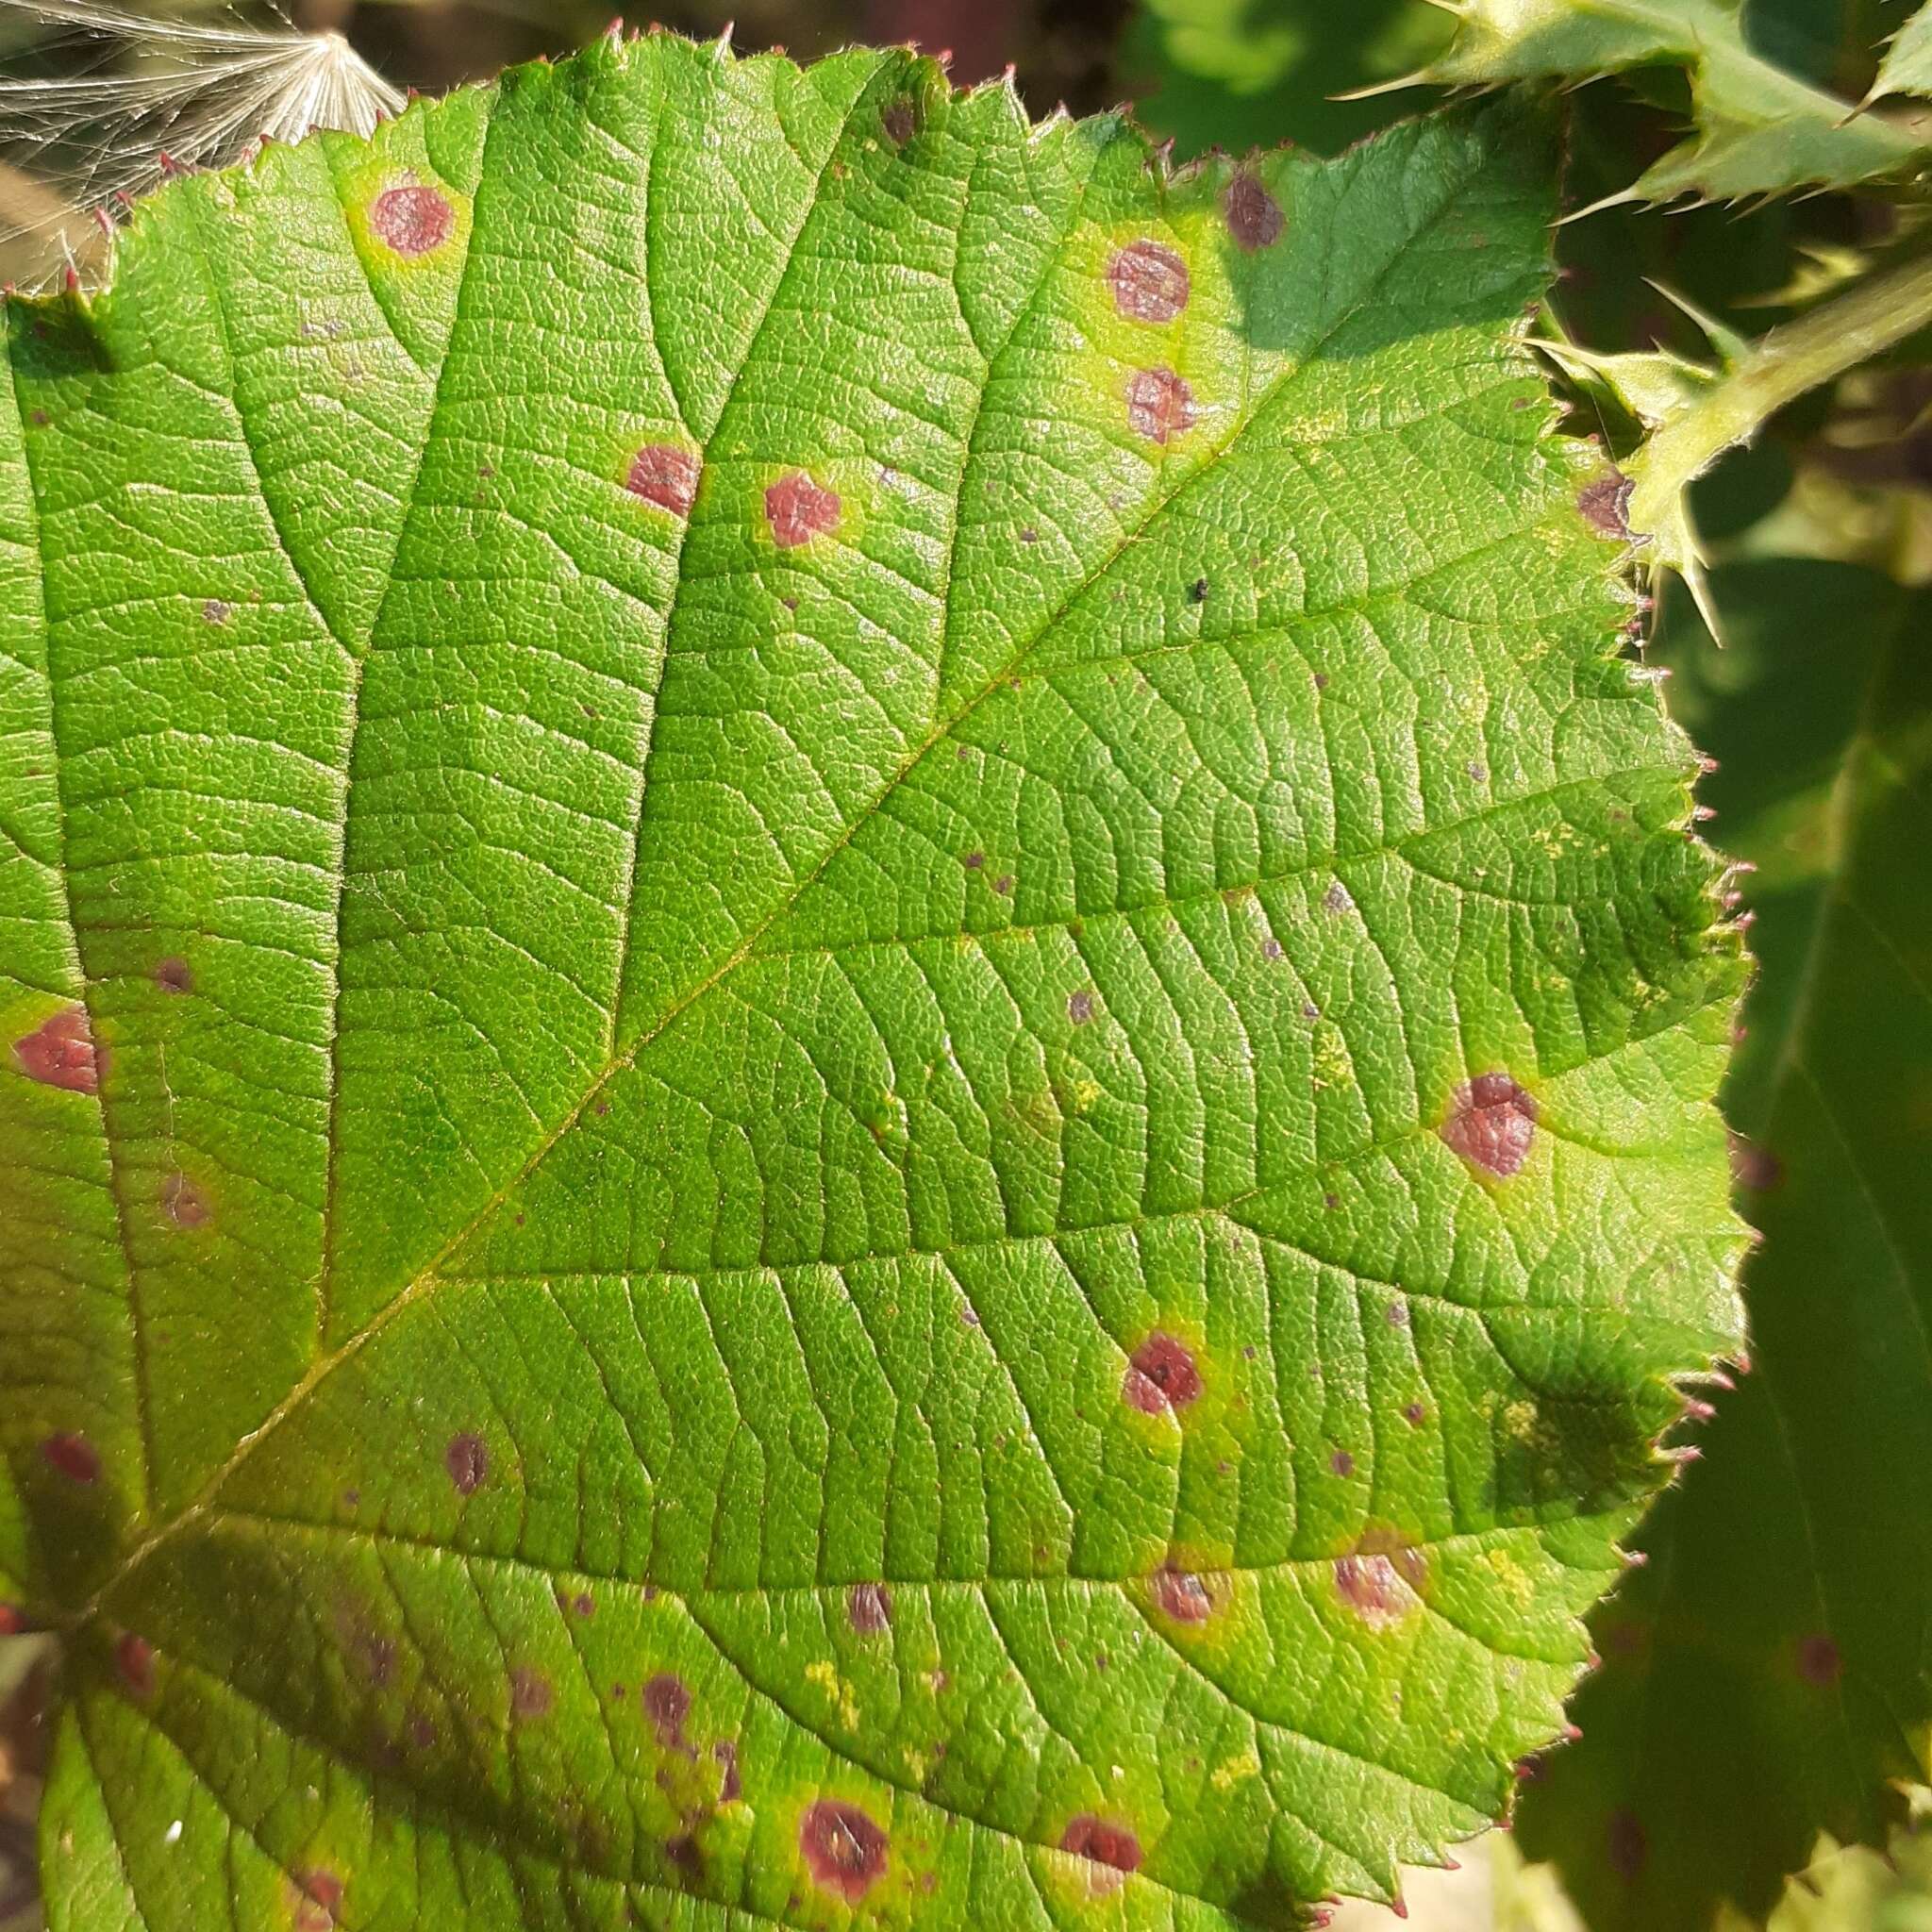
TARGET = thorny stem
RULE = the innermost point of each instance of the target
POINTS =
(1787, 362)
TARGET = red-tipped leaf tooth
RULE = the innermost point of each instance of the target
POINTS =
(1697, 1411)
(1704, 813)
(1573, 1733)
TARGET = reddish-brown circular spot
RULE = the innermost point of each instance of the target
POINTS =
(1161, 1376)
(1605, 502)
(584, 1604)
(530, 1693)
(174, 975)
(1413, 1414)
(1490, 1125)
(468, 1463)
(1183, 1596)
(844, 1849)
(412, 219)
(1626, 1843)
(1159, 405)
(1254, 216)
(73, 1456)
(1341, 1462)
(61, 1052)
(134, 1657)
(1102, 1842)
(1381, 1580)
(662, 474)
(1149, 281)
(1818, 1659)
(666, 1701)
(869, 1605)
(183, 1203)
(797, 510)
(318, 1901)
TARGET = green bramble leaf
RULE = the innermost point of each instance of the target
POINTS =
(859, 1041)
(1908, 65)
(1759, 129)
(1765, 1675)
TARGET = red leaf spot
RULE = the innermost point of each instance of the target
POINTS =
(1181, 1595)
(1254, 216)
(1341, 1462)
(468, 1463)
(1626, 1843)
(62, 1052)
(1080, 1008)
(174, 975)
(730, 1788)
(1414, 1414)
(798, 510)
(183, 1203)
(73, 1456)
(662, 474)
(1100, 1842)
(667, 1702)
(1381, 1580)
(530, 1695)
(845, 1851)
(412, 219)
(1161, 1376)
(584, 1604)
(870, 1608)
(1602, 504)
(318, 1898)
(1159, 405)
(1490, 1125)
(1818, 1659)
(134, 1657)
(1149, 282)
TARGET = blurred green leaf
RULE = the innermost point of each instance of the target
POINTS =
(1767, 1673)
(1907, 68)
(1242, 73)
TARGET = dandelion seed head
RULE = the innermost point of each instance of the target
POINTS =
(119, 103)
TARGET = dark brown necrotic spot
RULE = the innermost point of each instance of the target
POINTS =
(530, 1695)
(61, 1052)
(869, 1605)
(666, 1701)
(134, 1657)
(845, 1851)
(900, 122)
(1490, 1125)
(1161, 1376)
(1605, 502)
(1159, 405)
(1413, 1415)
(183, 1203)
(412, 219)
(1080, 1008)
(1149, 281)
(1626, 1843)
(468, 1463)
(730, 1787)
(73, 1456)
(1102, 1842)
(662, 474)
(797, 510)
(1341, 1462)
(1182, 1595)
(1254, 216)
(174, 975)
